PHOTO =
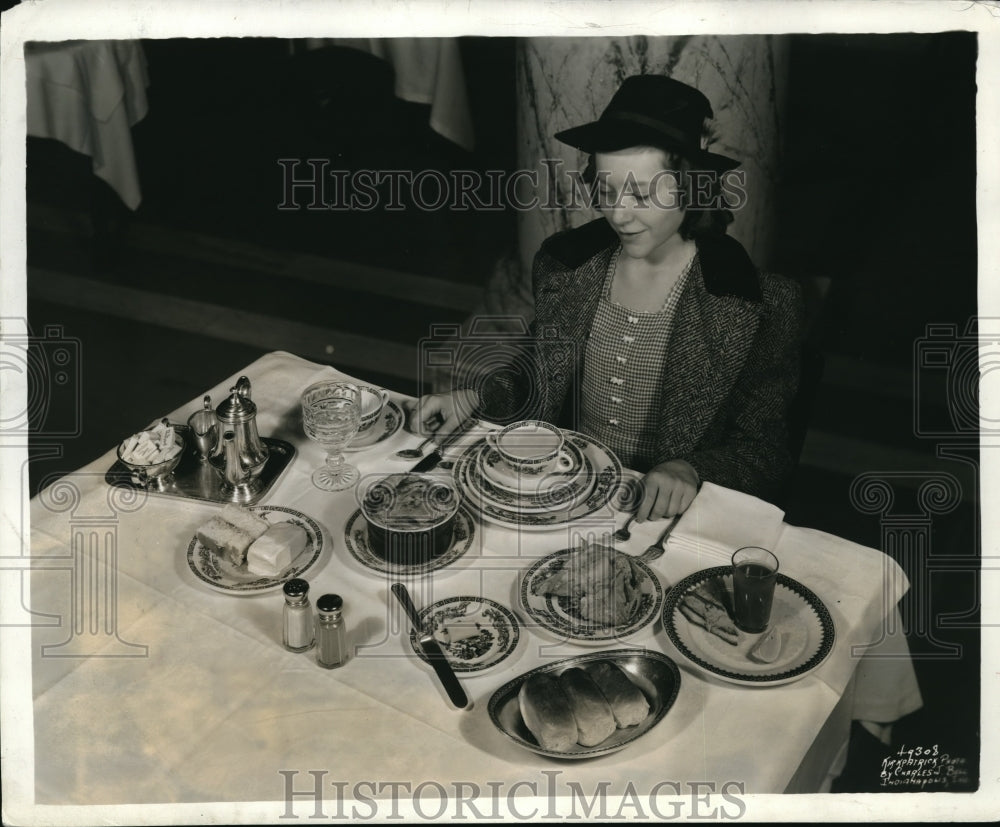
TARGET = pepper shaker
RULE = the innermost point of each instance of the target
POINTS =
(331, 650)
(299, 634)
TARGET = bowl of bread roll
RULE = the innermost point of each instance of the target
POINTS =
(588, 705)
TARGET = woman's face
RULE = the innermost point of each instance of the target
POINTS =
(641, 199)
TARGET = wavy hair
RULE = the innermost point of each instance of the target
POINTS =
(698, 222)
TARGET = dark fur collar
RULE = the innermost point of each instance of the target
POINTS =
(725, 265)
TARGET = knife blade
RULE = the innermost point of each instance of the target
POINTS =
(434, 457)
(432, 650)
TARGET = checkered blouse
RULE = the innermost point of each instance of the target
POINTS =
(623, 374)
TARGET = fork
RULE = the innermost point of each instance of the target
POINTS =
(656, 549)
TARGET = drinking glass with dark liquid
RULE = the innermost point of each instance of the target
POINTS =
(755, 572)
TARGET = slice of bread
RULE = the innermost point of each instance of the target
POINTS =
(244, 520)
(226, 539)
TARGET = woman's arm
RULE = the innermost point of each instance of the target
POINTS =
(752, 452)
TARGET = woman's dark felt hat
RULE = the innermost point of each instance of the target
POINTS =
(651, 110)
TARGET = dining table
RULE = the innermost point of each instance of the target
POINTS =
(427, 70)
(150, 686)
(88, 94)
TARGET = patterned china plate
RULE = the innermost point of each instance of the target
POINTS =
(799, 616)
(607, 481)
(384, 427)
(560, 494)
(499, 475)
(559, 616)
(489, 632)
(356, 536)
(219, 574)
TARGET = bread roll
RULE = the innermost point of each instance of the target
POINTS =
(546, 712)
(628, 704)
(594, 719)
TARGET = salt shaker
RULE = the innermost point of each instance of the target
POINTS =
(299, 635)
(332, 639)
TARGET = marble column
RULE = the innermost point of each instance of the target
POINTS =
(563, 82)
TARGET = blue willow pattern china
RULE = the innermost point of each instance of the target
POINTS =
(383, 428)
(491, 646)
(560, 494)
(607, 481)
(223, 576)
(500, 475)
(560, 615)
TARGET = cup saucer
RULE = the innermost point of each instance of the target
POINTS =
(501, 475)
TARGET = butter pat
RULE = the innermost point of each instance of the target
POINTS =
(273, 552)
(462, 628)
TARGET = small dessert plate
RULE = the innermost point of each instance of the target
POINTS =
(475, 633)
(219, 574)
(387, 424)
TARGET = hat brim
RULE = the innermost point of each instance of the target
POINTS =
(608, 136)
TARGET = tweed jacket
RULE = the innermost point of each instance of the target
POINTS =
(732, 365)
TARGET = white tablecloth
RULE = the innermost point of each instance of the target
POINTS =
(428, 70)
(187, 694)
(88, 94)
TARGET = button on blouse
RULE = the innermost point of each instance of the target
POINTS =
(623, 372)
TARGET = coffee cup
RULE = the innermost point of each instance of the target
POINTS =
(372, 402)
(529, 447)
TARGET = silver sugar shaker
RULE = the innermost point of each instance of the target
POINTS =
(299, 633)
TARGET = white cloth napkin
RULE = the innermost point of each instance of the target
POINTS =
(721, 520)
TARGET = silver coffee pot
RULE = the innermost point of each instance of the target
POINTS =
(239, 455)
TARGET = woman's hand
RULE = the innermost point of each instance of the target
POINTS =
(668, 489)
(441, 413)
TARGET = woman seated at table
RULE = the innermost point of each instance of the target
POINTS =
(653, 331)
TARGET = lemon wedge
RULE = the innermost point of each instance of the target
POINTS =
(767, 649)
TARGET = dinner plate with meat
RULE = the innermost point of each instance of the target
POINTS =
(591, 595)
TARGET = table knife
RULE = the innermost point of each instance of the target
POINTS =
(432, 650)
(434, 458)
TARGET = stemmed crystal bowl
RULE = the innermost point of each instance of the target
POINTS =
(331, 416)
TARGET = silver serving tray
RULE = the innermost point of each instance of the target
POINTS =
(195, 479)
